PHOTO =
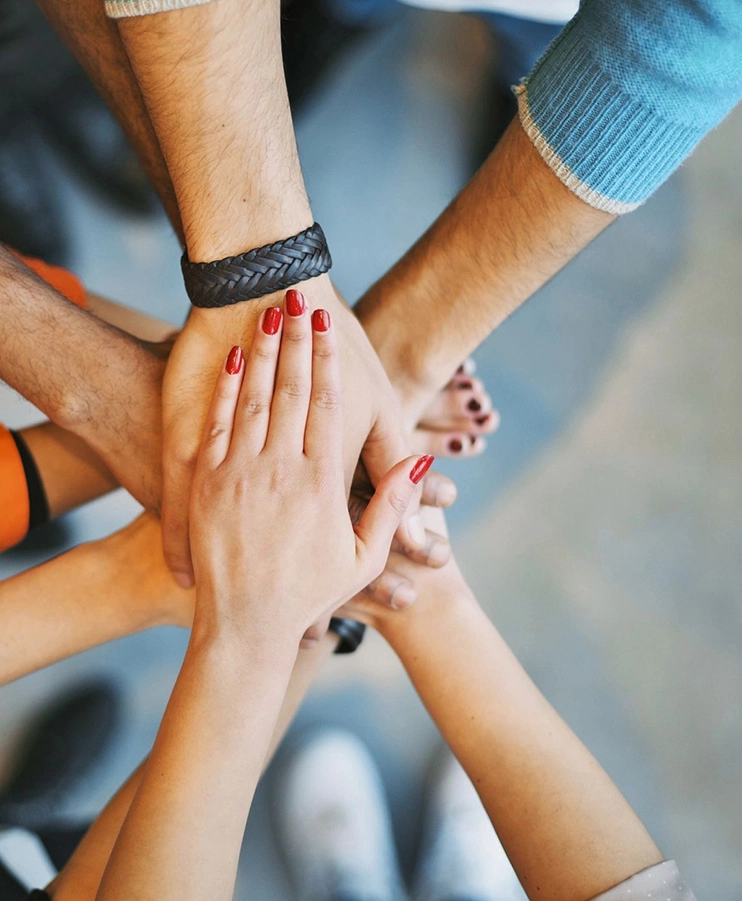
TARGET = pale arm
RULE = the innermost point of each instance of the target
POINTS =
(81, 877)
(567, 829)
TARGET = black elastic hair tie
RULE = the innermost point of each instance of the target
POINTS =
(38, 505)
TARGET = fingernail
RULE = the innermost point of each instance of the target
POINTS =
(185, 580)
(233, 364)
(474, 406)
(473, 439)
(295, 303)
(480, 420)
(464, 386)
(416, 475)
(320, 320)
(455, 446)
(272, 320)
(460, 369)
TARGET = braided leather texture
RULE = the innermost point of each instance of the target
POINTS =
(261, 271)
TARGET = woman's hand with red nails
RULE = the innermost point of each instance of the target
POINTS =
(273, 544)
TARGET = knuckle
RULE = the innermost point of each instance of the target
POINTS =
(254, 405)
(295, 336)
(326, 399)
(294, 388)
(398, 502)
(264, 353)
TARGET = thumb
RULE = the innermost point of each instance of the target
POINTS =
(380, 519)
(384, 446)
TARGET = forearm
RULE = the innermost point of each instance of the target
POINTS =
(71, 473)
(512, 228)
(86, 376)
(182, 835)
(67, 605)
(81, 877)
(565, 826)
(212, 79)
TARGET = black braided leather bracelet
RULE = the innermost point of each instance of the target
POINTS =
(349, 631)
(254, 273)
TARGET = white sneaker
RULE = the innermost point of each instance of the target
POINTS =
(461, 855)
(334, 825)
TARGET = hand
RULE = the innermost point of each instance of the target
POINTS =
(372, 417)
(273, 545)
(429, 584)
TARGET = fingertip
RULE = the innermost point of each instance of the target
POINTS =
(416, 531)
(403, 596)
(235, 359)
(422, 465)
(272, 319)
(184, 579)
(321, 321)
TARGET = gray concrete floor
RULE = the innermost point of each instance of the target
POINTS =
(601, 529)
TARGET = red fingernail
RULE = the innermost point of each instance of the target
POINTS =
(472, 439)
(455, 446)
(320, 320)
(474, 406)
(420, 468)
(480, 420)
(234, 361)
(272, 320)
(295, 303)
(464, 386)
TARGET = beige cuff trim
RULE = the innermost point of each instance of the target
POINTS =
(122, 9)
(557, 165)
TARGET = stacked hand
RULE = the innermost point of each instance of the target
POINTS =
(272, 540)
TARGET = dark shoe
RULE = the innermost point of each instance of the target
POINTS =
(79, 125)
(30, 217)
(61, 747)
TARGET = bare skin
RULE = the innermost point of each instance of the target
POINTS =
(566, 827)
(512, 228)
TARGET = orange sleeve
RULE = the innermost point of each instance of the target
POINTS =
(14, 506)
(64, 281)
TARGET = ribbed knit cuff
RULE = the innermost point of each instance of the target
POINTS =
(122, 9)
(608, 149)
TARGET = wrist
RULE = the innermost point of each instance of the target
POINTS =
(234, 644)
(239, 317)
(109, 564)
(430, 616)
(385, 319)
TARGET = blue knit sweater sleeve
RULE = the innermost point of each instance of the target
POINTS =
(628, 89)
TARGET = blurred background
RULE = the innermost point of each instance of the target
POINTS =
(601, 529)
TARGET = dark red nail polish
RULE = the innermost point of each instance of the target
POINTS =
(455, 446)
(234, 361)
(480, 420)
(464, 386)
(320, 320)
(420, 468)
(295, 303)
(460, 369)
(272, 320)
(474, 406)
(472, 439)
